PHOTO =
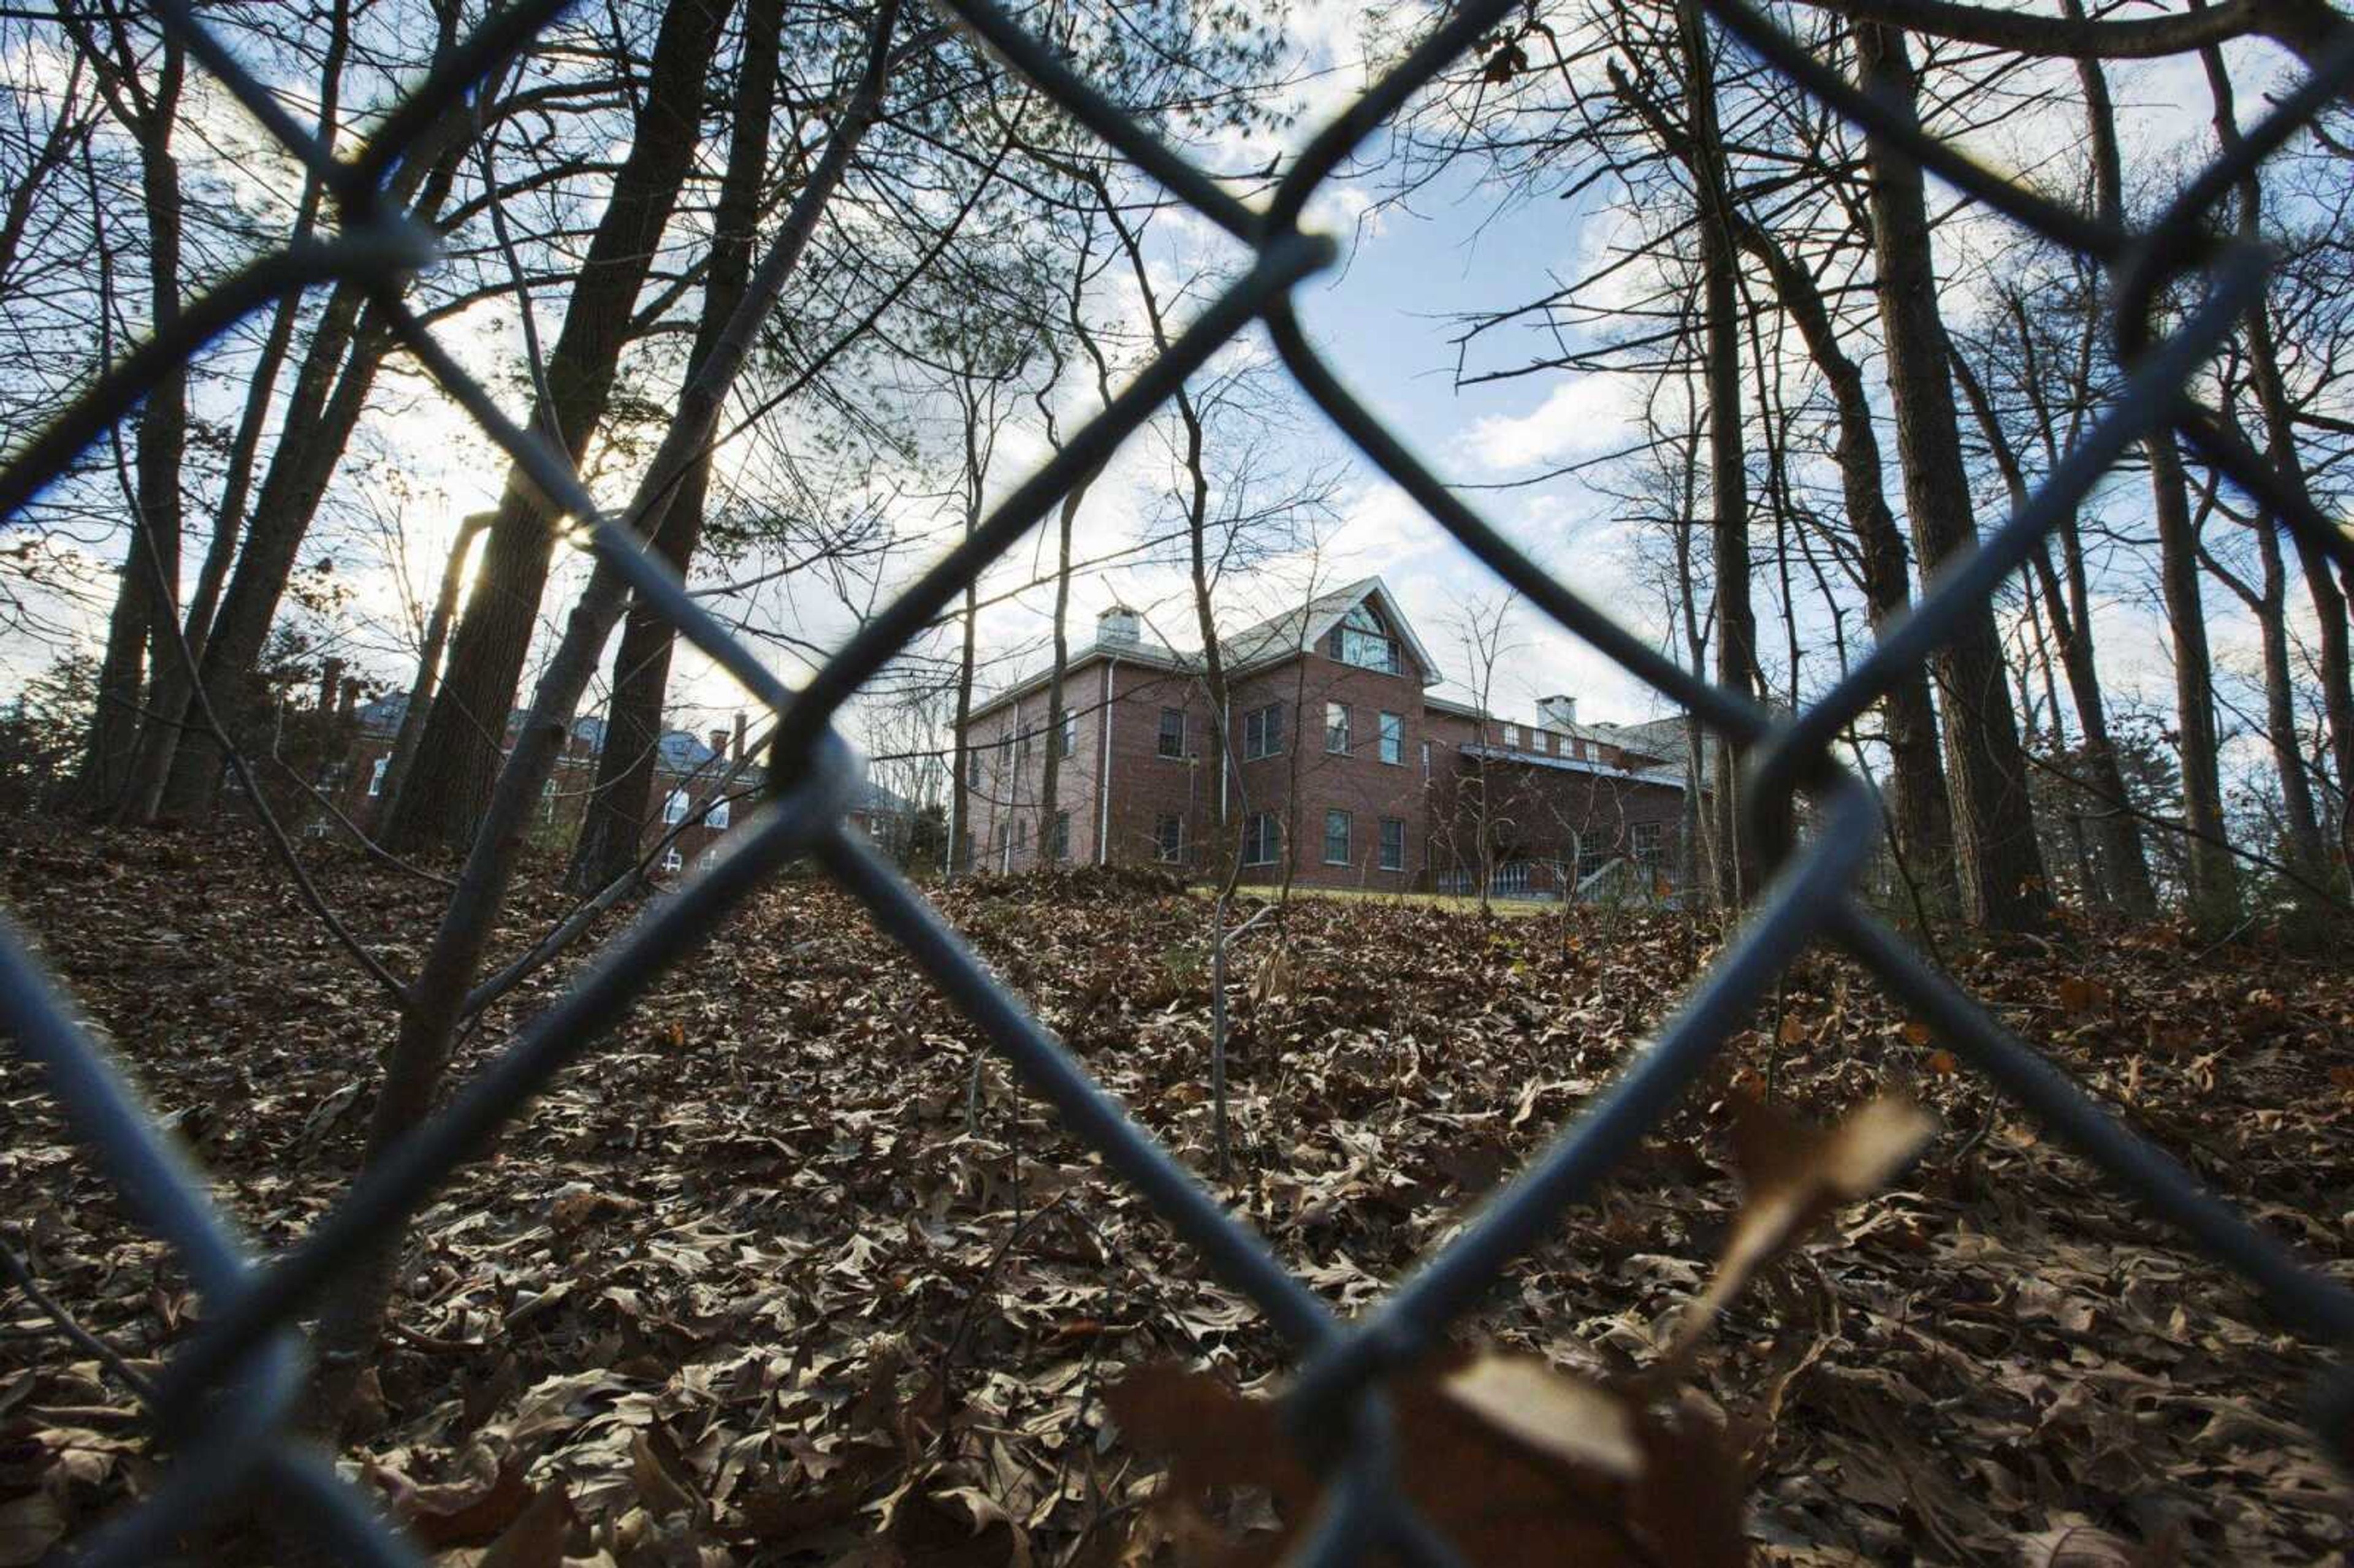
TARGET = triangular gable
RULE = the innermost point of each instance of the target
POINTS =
(1334, 608)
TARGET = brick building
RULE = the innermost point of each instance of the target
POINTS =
(1342, 767)
(703, 787)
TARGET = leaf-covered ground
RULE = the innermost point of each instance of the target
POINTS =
(764, 1281)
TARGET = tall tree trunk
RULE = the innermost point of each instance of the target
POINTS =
(159, 731)
(2213, 894)
(1998, 865)
(2124, 878)
(1739, 871)
(458, 760)
(429, 664)
(962, 849)
(622, 803)
(331, 390)
(353, 1317)
(2330, 611)
(2267, 601)
(1050, 785)
(1924, 816)
(141, 633)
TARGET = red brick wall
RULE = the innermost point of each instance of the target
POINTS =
(1117, 787)
(1308, 779)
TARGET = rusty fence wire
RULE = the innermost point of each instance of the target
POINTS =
(224, 1404)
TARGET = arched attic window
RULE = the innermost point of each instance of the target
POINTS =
(1365, 642)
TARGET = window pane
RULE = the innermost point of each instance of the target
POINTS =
(1172, 732)
(1336, 727)
(1393, 843)
(1336, 836)
(1392, 738)
(716, 818)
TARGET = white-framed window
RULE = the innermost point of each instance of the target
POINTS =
(1060, 849)
(716, 818)
(1336, 836)
(1336, 727)
(671, 859)
(972, 769)
(1426, 759)
(1261, 834)
(675, 808)
(1070, 732)
(1393, 740)
(1511, 736)
(375, 775)
(1169, 838)
(1648, 841)
(1170, 741)
(1365, 642)
(1393, 843)
(1263, 732)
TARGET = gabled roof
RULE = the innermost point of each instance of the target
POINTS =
(1304, 626)
(1277, 637)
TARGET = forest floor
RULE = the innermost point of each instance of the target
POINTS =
(746, 1286)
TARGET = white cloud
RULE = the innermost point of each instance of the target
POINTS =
(1585, 414)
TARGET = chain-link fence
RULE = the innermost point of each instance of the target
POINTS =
(226, 1402)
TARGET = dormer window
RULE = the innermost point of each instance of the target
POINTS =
(1366, 643)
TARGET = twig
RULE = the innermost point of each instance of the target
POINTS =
(113, 1358)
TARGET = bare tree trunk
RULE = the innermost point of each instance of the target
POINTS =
(331, 390)
(429, 664)
(142, 631)
(1740, 874)
(2329, 612)
(1924, 816)
(2214, 889)
(159, 733)
(353, 1317)
(1050, 785)
(2124, 877)
(620, 805)
(465, 732)
(2000, 866)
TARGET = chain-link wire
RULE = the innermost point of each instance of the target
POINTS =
(227, 1399)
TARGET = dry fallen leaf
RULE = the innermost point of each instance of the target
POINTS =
(1791, 1176)
(1514, 1463)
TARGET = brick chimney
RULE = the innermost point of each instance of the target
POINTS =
(347, 710)
(330, 681)
(738, 755)
(1118, 627)
(719, 743)
(1559, 713)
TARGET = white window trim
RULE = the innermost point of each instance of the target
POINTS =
(1348, 837)
(1386, 728)
(1271, 838)
(674, 808)
(376, 774)
(1380, 848)
(1336, 728)
(671, 859)
(716, 817)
